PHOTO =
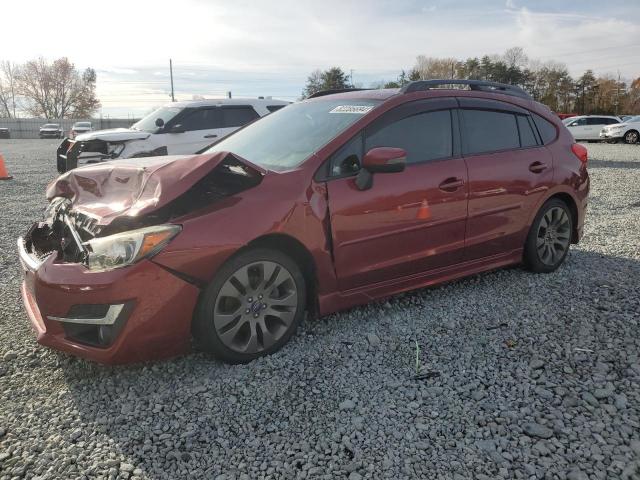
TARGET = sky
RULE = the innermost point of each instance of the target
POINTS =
(254, 48)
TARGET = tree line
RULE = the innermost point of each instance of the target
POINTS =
(547, 82)
(46, 89)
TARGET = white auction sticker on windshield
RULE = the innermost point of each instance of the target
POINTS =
(360, 109)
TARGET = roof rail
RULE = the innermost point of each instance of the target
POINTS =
(322, 93)
(479, 85)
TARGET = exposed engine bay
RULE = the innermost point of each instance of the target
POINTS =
(103, 200)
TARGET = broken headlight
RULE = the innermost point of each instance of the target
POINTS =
(115, 149)
(126, 248)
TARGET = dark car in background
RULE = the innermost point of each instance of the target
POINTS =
(51, 130)
(5, 132)
(329, 203)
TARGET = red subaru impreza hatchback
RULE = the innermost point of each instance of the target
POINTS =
(328, 203)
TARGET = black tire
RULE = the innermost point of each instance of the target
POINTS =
(537, 256)
(631, 137)
(207, 334)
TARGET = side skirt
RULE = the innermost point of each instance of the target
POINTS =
(336, 301)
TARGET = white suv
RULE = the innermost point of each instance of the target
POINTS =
(628, 131)
(177, 128)
(587, 127)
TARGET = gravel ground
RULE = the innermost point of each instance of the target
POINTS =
(532, 376)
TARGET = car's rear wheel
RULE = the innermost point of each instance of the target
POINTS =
(549, 238)
(252, 307)
(631, 137)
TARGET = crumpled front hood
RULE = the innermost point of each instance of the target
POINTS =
(113, 135)
(137, 187)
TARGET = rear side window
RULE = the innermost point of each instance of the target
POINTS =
(273, 108)
(546, 129)
(597, 121)
(527, 136)
(238, 116)
(425, 136)
(488, 131)
(202, 119)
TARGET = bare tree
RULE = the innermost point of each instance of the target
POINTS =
(515, 57)
(7, 89)
(57, 90)
(430, 67)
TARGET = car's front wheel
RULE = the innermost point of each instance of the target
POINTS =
(549, 237)
(631, 136)
(252, 307)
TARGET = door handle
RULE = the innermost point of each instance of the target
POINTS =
(537, 167)
(451, 184)
(210, 136)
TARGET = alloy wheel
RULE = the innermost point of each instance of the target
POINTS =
(554, 236)
(631, 137)
(255, 307)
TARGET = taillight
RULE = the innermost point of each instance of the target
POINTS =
(581, 152)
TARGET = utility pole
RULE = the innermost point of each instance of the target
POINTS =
(13, 95)
(351, 77)
(618, 93)
(173, 99)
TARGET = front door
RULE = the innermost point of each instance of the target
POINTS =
(580, 130)
(407, 222)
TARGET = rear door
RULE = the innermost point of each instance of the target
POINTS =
(408, 222)
(594, 125)
(509, 170)
(234, 117)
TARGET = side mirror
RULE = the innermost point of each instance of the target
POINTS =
(380, 160)
(159, 122)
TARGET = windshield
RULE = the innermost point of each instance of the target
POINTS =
(286, 138)
(633, 119)
(82, 124)
(148, 123)
(51, 125)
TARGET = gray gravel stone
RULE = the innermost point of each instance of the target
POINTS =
(537, 430)
(347, 405)
(373, 340)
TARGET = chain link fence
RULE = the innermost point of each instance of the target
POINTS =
(30, 127)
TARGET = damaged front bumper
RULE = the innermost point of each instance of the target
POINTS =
(106, 316)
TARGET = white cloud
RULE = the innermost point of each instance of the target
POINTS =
(268, 48)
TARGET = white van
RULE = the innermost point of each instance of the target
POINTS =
(177, 128)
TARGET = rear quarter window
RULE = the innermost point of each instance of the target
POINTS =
(547, 130)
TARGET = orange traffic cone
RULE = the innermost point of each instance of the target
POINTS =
(424, 213)
(4, 175)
